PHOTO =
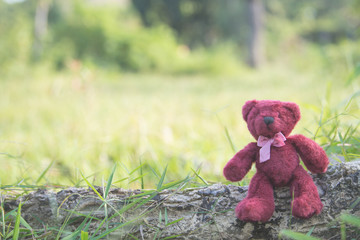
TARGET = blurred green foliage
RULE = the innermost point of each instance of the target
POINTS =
(16, 37)
(105, 36)
(178, 36)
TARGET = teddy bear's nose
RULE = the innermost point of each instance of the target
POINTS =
(268, 120)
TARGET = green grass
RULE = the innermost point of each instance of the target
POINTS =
(155, 132)
(346, 221)
(15, 227)
(56, 127)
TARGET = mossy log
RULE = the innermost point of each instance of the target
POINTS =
(198, 213)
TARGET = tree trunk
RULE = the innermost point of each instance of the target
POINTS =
(40, 26)
(256, 43)
(143, 6)
(199, 213)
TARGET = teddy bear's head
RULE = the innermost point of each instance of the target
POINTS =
(267, 117)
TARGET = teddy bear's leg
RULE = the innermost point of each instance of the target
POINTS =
(259, 203)
(306, 201)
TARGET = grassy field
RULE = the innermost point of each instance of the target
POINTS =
(56, 126)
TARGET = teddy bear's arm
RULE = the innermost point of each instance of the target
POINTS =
(313, 156)
(241, 163)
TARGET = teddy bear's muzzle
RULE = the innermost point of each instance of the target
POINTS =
(268, 120)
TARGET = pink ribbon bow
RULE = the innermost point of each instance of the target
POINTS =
(265, 143)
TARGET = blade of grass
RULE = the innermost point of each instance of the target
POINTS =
(12, 212)
(44, 235)
(173, 222)
(121, 180)
(174, 183)
(72, 235)
(171, 237)
(80, 181)
(160, 217)
(228, 137)
(145, 193)
(132, 236)
(65, 199)
(135, 179)
(68, 221)
(296, 235)
(87, 216)
(154, 172)
(86, 222)
(146, 200)
(201, 178)
(105, 208)
(17, 223)
(353, 205)
(124, 167)
(22, 221)
(156, 233)
(92, 187)
(140, 201)
(139, 167)
(62, 228)
(141, 174)
(227, 134)
(343, 231)
(87, 226)
(3, 218)
(84, 235)
(21, 187)
(349, 132)
(44, 172)
(343, 148)
(350, 219)
(354, 155)
(161, 181)
(104, 234)
(310, 231)
(98, 228)
(108, 185)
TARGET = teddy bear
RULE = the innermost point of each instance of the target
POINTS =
(277, 159)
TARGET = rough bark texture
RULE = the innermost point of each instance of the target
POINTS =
(206, 213)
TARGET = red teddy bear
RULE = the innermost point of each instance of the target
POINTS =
(276, 155)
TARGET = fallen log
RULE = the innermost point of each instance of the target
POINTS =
(198, 213)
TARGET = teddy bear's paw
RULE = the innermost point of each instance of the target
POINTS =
(234, 173)
(305, 207)
(255, 209)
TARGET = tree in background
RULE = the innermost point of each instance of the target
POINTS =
(207, 22)
(257, 36)
(40, 26)
(210, 22)
(197, 22)
(54, 31)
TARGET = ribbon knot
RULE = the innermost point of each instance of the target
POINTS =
(265, 143)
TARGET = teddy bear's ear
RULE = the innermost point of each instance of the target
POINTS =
(247, 108)
(294, 108)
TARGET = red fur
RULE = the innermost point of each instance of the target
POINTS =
(282, 169)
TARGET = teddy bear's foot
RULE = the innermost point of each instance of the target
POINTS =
(306, 207)
(307, 201)
(255, 209)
